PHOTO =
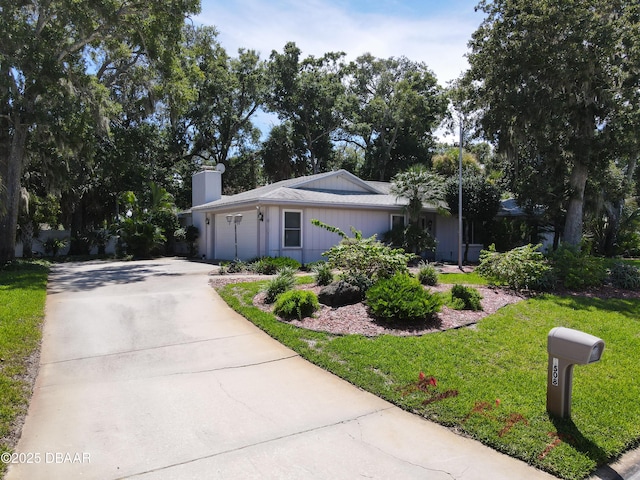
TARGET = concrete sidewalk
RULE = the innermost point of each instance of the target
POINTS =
(146, 373)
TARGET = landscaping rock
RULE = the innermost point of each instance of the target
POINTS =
(339, 294)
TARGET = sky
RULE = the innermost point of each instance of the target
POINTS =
(435, 32)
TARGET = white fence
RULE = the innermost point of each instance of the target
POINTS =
(37, 246)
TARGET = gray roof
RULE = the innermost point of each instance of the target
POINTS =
(509, 208)
(301, 191)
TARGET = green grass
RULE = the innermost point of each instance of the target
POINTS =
(491, 379)
(22, 300)
(471, 278)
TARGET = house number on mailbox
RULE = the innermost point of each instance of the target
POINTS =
(554, 375)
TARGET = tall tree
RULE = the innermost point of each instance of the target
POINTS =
(391, 109)
(420, 188)
(283, 154)
(448, 162)
(554, 73)
(480, 202)
(229, 93)
(47, 49)
(305, 94)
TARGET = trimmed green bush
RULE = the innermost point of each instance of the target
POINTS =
(271, 265)
(285, 262)
(576, 269)
(521, 268)
(263, 266)
(323, 274)
(296, 304)
(283, 282)
(625, 276)
(465, 298)
(402, 297)
(427, 274)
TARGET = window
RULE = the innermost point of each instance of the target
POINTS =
(475, 233)
(293, 229)
(427, 223)
(397, 221)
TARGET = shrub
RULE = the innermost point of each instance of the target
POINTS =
(363, 261)
(52, 245)
(401, 297)
(296, 304)
(411, 238)
(283, 282)
(310, 266)
(465, 298)
(263, 266)
(141, 237)
(323, 274)
(271, 265)
(521, 268)
(285, 262)
(427, 274)
(625, 276)
(237, 266)
(577, 269)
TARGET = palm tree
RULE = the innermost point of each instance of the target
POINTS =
(420, 187)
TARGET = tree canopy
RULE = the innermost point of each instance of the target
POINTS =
(550, 78)
(47, 51)
(391, 109)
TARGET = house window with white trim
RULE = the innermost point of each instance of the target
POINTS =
(397, 221)
(292, 237)
(474, 232)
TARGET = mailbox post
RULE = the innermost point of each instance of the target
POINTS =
(566, 348)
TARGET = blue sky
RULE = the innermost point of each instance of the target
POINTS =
(435, 32)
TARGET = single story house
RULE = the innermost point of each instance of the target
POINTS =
(275, 220)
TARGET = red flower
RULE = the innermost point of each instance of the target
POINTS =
(497, 402)
(432, 381)
(421, 376)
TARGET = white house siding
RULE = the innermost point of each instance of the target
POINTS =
(316, 240)
(447, 235)
(247, 236)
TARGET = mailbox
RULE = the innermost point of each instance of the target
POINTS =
(566, 348)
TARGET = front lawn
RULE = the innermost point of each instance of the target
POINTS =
(470, 278)
(489, 381)
(22, 298)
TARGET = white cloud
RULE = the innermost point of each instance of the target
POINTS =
(319, 26)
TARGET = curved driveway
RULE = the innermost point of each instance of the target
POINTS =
(146, 373)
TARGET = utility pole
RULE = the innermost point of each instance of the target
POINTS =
(460, 201)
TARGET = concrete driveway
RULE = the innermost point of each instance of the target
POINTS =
(146, 373)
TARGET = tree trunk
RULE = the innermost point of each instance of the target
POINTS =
(614, 212)
(556, 235)
(11, 164)
(26, 229)
(77, 242)
(610, 237)
(573, 223)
